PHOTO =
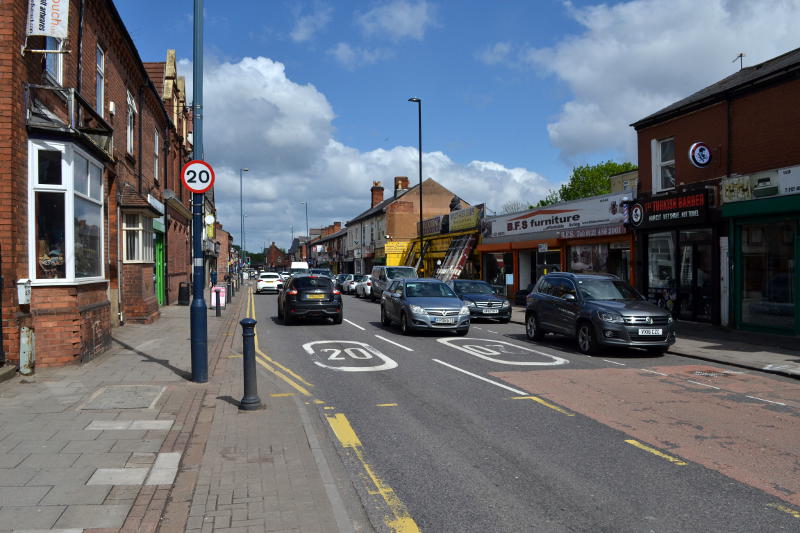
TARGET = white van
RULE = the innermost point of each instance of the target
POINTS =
(299, 267)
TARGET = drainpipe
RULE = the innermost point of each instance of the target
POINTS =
(120, 294)
(78, 83)
(166, 221)
(141, 120)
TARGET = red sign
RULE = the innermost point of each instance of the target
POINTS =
(197, 176)
(674, 209)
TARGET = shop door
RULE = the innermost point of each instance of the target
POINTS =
(695, 286)
(159, 268)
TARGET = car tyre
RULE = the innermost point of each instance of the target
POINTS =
(505, 320)
(287, 319)
(338, 318)
(532, 329)
(462, 332)
(385, 320)
(280, 312)
(587, 343)
(405, 327)
(657, 350)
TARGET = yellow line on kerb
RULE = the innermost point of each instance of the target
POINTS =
(545, 403)
(400, 521)
(787, 510)
(657, 453)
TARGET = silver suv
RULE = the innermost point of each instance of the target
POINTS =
(599, 310)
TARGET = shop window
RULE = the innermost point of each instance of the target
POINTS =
(661, 269)
(663, 153)
(67, 216)
(54, 62)
(138, 241)
(604, 258)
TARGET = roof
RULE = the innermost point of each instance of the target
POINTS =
(155, 71)
(341, 233)
(130, 199)
(379, 207)
(747, 77)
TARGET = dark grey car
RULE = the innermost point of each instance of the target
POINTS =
(481, 299)
(599, 310)
(423, 304)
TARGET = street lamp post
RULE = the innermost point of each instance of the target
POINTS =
(307, 234)
(241, 221)
(419, 130)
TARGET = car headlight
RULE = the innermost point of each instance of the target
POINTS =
(506, 304)
(417, 310)
(464, 310)
(669, 319)
(607, 316)
(470, 303)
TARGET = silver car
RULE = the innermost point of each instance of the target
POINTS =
(364, 287)
(419, 304)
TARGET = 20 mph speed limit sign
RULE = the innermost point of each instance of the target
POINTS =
(197, 176)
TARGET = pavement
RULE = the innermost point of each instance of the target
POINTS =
(127, 442)
(775, 354)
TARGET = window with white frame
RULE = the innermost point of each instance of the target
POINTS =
(138, 242)
(155, 154)
(100, 81)
(131, 122)
(66, 222)
(54, 62)
(663, 152)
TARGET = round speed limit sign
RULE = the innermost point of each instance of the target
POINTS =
(197, 176)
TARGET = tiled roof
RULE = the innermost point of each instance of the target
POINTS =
(155, 71)
(379, 207)
(130, 199)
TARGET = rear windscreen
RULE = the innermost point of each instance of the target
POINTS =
(313, 283)
(401, 272)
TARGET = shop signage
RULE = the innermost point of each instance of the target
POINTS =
(596, 231)
(766, 184)
(670, 210)
(395, 247)
(434, 226)
(700, 155)
(542, 247)
(597, 211)
(48, 17)
(464, 219)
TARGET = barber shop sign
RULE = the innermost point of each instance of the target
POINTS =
(700, 155)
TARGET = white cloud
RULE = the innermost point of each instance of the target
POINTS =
(398, 19)
(354, 57)
(494, 54)
(255, 117)
(307, 25)
(637, 57)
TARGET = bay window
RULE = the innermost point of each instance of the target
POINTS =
(66, 222)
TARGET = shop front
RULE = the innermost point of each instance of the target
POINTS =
(678, 256)
(763, 213)
(448, 244)
(599, 250)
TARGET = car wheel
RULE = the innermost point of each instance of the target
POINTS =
(462, 332)
(657, 350)
(587, 344)
(280, 312)
(505, 320)
(287, 318)
(532, 329)
(338, 318)
(385, 320)
(405, 327)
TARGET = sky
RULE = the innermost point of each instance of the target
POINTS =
(312, 96)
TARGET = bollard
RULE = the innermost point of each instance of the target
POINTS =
(230, 289)
(250, 400)
(216, 303)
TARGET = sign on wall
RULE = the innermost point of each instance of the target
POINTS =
(464, 219)
(48, 17)
(670, 210)
(700, 155)
(765, 184)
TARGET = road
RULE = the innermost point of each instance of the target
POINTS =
(491, 432)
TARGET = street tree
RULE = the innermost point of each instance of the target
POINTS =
(586, 181)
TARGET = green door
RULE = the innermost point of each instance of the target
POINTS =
(159, 246)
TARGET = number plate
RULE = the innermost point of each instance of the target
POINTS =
(490, 311)
(319, 297)
(650, 331)
(445, 320)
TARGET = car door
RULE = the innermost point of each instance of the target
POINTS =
(566, 307)
(390, 301)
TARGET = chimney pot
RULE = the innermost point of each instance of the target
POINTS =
(400, 184)
(377, 193)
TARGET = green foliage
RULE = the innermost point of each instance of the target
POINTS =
(586, 181)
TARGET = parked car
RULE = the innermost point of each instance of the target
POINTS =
(382, 276)
(599, 310)
(341, 279)
(418, 304)
(284, 276)
(481, 299)
(269, 282)
(308, 296)
(364, 287)
(322, 272)
(349, 286)
(521, 295)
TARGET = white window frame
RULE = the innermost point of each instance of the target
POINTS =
(100, 80)
(57, 74)
(657, 164)
(144, 252)
(130, 123)
(68, 151)
(156, 145)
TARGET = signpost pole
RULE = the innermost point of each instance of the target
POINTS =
(198, 313)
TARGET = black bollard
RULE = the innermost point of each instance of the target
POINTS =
(229, 287)
(250, 400)
(216, 303)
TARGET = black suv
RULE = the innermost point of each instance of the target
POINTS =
(308, 295)
(600, 310)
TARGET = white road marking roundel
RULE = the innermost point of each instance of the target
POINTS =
(489, 349)
(335, 356)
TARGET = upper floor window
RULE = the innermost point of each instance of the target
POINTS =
(663, 165)
(155, 154)
(54, 62)
(131, 122)
(100, 81)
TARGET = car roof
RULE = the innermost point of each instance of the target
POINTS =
(423, 280)
(573, 275)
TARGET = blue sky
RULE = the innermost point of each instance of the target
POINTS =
(312, 96)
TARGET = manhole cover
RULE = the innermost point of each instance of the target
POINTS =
(124, 397)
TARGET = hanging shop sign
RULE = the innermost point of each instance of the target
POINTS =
(467, 218)
(700, 155)
(766, 184)
(48, 17)
(596, 211)
(670, 210)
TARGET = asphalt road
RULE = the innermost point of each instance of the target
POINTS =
(493, 433)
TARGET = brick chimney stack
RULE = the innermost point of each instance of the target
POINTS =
(377, 193)
(337, 226)
(400, 184)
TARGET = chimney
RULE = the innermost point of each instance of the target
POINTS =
(377, 193)
(400, 184)
(337, 226)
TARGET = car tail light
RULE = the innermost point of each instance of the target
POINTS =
(293, 292)
(369, 284)
(336, 292)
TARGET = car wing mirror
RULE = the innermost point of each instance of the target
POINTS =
(570, 297)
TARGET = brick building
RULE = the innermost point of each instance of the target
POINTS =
(88, 148)
(275, 258)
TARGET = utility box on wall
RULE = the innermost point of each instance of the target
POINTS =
(24, 291)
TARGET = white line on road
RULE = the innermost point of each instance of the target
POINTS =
(490, 331)
(512, 389)
(703, 384)
(614, 362)
(395, 343)
(652, 372)
(768, 401)
(354, 324)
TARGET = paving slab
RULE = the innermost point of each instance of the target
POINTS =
(32, 517)
(93, 516)
(71, 495)
(118, 476)
(11, 496)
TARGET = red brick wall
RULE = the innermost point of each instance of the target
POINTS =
(178, 254)
(140, 304)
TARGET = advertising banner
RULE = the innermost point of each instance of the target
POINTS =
(670, 210)
(48, 17)
(780, 182)
(464, 219)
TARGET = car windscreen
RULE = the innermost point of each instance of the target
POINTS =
(428, 290)
(270, 276)
(400, 272)
(606, 289)
(341, 277)
(358, 277)
(313, 283)
(472, 287)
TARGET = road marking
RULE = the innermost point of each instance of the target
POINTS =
(234, 356)
(354, 324)
(395, 343)
(490, 331)
(763, 400)
(401, 521)
(545, 403)
(299, 388)
(495, 348)
(318, 402)
(785, 509)
(669, 458)
(614, 362)
(328, 407)
(281, 394)
(512, 389)
(703, 384)
(360, 352)
(386, 405)
(652, 372)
